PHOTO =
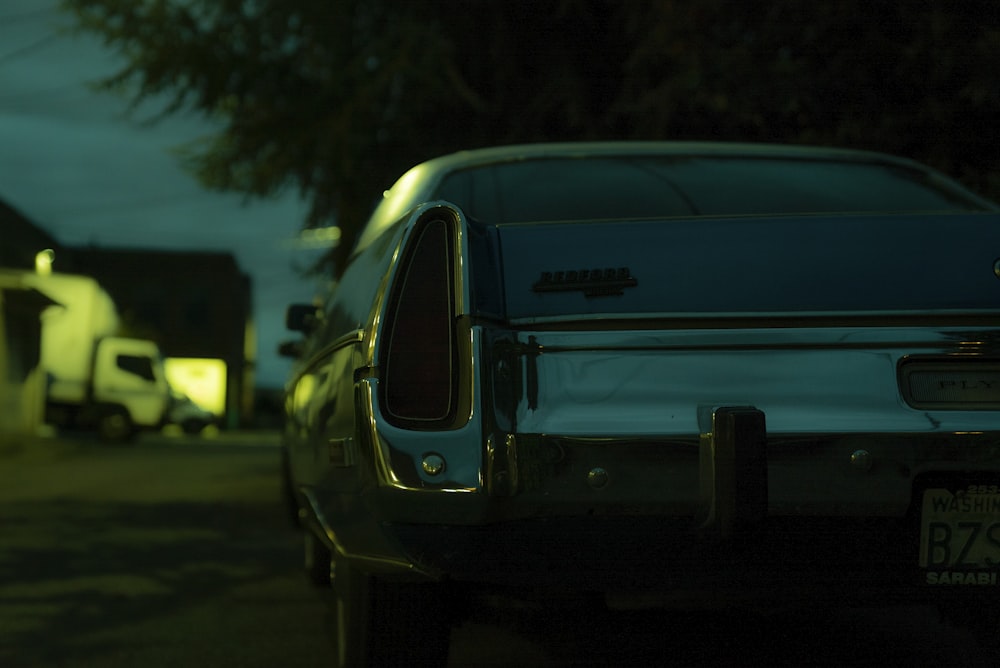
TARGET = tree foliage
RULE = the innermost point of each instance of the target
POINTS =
(338, 97)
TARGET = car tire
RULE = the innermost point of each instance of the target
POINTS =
(115, 426)
(385, 623)
(317, 560)
(288, 500)
(193, 427)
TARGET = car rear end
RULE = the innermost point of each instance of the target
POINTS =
(730, 408)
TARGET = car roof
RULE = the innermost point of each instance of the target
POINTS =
(424, 177)
(514, 152)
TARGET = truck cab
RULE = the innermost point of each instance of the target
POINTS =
(129, 390)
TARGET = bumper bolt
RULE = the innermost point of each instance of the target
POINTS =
(861, 460)
(597, 478)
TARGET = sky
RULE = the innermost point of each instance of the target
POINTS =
(74, 164)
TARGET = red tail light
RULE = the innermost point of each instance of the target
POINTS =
(419, 364)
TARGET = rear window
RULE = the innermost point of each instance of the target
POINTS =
(656, 186)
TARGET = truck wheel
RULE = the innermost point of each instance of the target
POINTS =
(115, 426)
(385, 623)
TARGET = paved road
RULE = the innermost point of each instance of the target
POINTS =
(168, 553)
(176, 552)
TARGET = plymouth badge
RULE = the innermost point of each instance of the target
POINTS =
(592, 282)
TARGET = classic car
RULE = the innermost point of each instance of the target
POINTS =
(657, 374)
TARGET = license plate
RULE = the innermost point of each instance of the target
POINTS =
(960, 535)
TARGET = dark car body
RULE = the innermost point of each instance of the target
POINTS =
(659, 372)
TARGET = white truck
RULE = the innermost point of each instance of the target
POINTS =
(97, 380)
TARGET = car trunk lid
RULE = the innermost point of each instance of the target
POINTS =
(752, 266)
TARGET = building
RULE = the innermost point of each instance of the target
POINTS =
(22, 381)
(21, 240)
(22, 386)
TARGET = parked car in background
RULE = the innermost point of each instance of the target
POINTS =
(188, 415)
(662, 373)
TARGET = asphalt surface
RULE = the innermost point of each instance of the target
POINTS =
(177, 552)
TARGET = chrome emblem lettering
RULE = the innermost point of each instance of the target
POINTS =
(975, 384)
(592, 282)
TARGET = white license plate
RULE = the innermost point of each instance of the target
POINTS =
(960, 529)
